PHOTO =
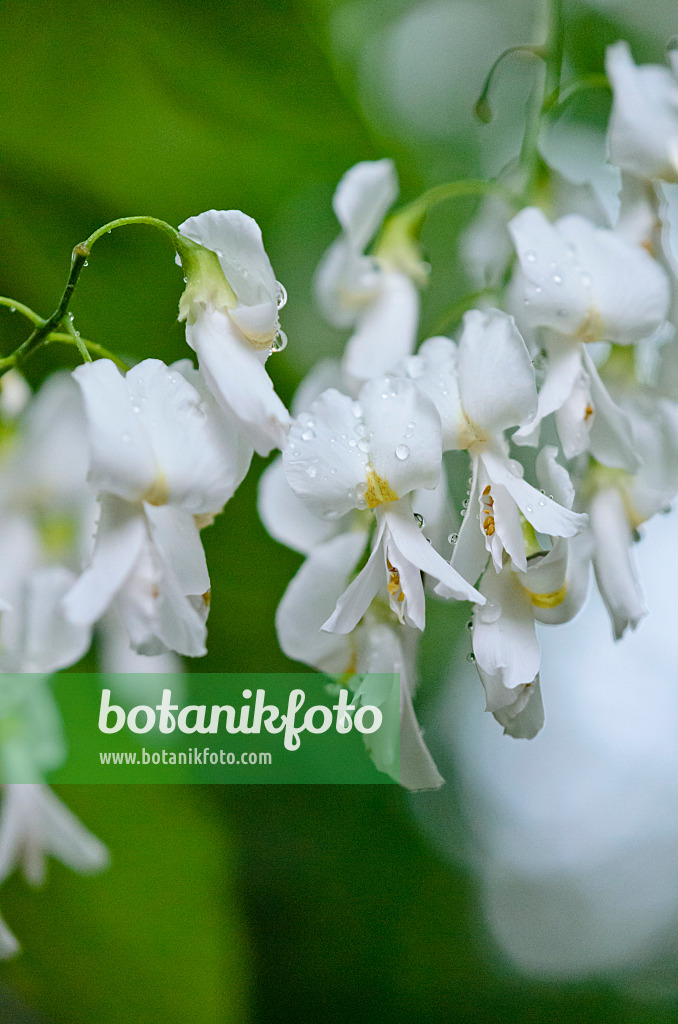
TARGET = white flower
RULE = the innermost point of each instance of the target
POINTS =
(482, 388)
(35, 823)
(376, 295)
(552, 589)
(232, 323)
(346, 455)
(375, 646)
(585, 284)
(643, 130)
(163, 461)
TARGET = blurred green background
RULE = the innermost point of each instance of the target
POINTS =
(257, 903)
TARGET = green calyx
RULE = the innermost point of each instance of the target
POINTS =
(206, 284)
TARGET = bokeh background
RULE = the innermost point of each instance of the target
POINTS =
(261, 903)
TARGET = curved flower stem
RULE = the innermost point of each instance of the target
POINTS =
(546, 89)
(594, 81)
(482, 107)
(92, 347)
(412, 216)
(19, 307)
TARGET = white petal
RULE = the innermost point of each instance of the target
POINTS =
(50, 641)
(412, 543)
(236, 239)
(644, 118)
(611, 438)
(358, 596)
(504, 640)
(434, 370)
(324, 459)
(563, 370)
(574, 419)
(407, 760)
(496, 376)
(629, 290)
(556, 291)
(286, 517)
(121, 534)
(507, 528)
(362, 198)
(613, 562)
(523, 720)
(403, 434)
(545, 514)
(386, 332)
(122, 457)
(470, 554)
(238, 380)
(175, 535)
(33, 823)
(346, 282)
(553, 477)
(8, 943)
(321, 377)
(310, 599)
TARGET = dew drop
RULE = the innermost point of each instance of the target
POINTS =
(469, 624)
(279, 342)
(333, 471)
(384, 394)
(352, 443)
(465, 502)
(453, 538)
(356, 409)
(402, 452)
(311, 471)
(12, 309)
(363, 446)
(542, 502)
(308, 434)
(281, 297)
(528, 508)
(136, 408)
(462, 513)
(537, 290)
(420, 520)
(471, 657)
(410, 430)
(360, 429)
(531, 256)
(557, 279)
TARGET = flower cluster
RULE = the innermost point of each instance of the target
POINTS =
(558, 382)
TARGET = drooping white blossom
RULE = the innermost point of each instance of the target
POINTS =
(232, 323)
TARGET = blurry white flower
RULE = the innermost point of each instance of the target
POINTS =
(161, 458)
(643, 130)
(376, 294)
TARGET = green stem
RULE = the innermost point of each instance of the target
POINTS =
(18, 307)
(482, 106)
(597, 81)
(411, 217)
(545, 91)
(181, 244)
(77, 340)
(92, 347)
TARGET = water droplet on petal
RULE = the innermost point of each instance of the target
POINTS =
(402, 452)
(363, 446)
(356, 409)
(410, 430)
(311, 471)
(360, 429)
(136, 408)
(453, 538)
(557, 279)
(333, 471)
(279, 342)
(528, 508)
(537, 290)
(420, 520)
(352, 443)
(469, 624)
(542, 502)
(12, 309)
(471, 657)
(531, 256)
(281, 297)
(308, 434)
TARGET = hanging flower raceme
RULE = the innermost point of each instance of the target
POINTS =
(164, 460)
(372, 454)
(481, 388)
(376, 295)
(231, 308)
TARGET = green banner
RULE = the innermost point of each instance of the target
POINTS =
(200, 728)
